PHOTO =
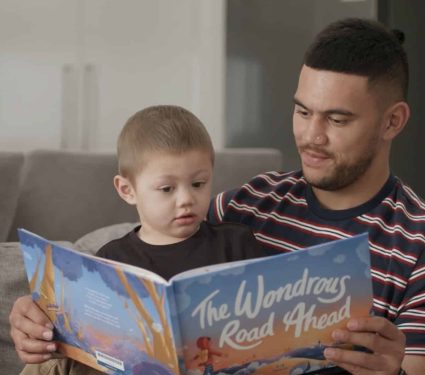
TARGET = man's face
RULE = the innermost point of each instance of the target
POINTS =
(172, 195)
(337, 127)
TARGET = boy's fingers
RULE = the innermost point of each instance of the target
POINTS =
(22, 327)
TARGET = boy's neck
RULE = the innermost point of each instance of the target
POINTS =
(163, 239)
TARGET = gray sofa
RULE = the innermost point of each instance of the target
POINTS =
(69, 197)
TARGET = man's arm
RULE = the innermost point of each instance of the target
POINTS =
(31, 331)
(414, 364)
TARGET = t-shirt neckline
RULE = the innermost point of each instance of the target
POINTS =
(328, 214)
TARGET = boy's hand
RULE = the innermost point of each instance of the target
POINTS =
(31, 331)
(380, 336)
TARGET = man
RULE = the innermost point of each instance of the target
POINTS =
(349, 106)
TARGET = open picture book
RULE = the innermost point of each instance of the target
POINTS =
(271, 315)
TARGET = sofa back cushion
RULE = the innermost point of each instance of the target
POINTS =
(66, 194)
(10, 174)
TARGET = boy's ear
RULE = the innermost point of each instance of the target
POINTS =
(125, 189)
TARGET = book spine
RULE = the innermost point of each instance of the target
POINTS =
(175, 324)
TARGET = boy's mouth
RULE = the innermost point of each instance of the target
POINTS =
(185, 219)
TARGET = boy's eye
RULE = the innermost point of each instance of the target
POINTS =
(198, 184)
(166, 189)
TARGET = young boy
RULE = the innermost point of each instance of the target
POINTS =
(165, 158)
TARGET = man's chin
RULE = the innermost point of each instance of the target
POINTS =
(320, 182)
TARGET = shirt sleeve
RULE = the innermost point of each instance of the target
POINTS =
(218, 206)
(411, 320)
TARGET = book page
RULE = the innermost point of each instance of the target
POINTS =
(274, 315)
(105, 316)
(141, 272)
(212, 268)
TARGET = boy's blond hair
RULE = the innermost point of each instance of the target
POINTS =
(165, 128)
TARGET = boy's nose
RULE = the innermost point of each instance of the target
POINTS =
(185, 198)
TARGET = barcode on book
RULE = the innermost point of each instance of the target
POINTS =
(106, 359)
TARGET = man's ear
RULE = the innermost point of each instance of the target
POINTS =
(125, 189)
(395, 120)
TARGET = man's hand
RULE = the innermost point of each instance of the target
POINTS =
(31, 331)
(385, 341)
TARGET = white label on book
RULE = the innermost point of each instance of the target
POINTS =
(106, 359)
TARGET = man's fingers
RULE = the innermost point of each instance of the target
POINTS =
(25, 307)
(32, 350)
(355, 360)
(28, 328)
(372, 341)
(385, 343)
(376, 325)
(34, 346)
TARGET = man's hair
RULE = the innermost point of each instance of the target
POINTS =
(361, 47)
(163, 128)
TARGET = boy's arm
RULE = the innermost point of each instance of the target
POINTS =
(31, 331)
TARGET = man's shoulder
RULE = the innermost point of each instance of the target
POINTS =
(270, 183)
(407, 197)
(274, 178)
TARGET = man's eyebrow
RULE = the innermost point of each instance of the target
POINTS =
(297, 102)
(332, 111)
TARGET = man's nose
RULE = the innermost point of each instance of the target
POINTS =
(316, 131)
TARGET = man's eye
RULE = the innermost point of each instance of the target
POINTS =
(338, 121)
(301, 112)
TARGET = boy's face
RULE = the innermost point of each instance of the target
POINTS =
(172, 195)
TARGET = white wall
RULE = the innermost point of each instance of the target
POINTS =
(72, 72)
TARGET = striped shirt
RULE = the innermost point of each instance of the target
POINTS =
(285, 216)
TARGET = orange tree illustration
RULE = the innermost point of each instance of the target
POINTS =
(158, 341)
(159, 344)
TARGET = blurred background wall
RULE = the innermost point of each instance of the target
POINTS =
(72, 71)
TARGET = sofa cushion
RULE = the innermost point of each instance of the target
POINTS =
(10, 172)
(66, 194)
(93, 241)
(235, 166)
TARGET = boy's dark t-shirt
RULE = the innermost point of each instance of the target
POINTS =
(211, 244)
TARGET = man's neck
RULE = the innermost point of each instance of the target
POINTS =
(354, 195)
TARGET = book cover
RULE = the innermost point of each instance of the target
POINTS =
(260, 316)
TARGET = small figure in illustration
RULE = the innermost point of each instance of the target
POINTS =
(206, 354)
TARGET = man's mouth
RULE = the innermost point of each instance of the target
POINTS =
(314, 158)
